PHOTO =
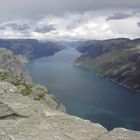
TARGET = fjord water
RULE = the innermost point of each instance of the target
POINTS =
(85, 94)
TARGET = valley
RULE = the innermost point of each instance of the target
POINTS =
(116, 59)
(64, 68)
(84, 93)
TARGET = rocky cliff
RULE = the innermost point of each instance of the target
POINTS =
(117, 59)
(29, 112)
(14, 72)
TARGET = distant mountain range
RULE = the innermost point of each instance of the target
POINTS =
(32, 48)
(117, 59)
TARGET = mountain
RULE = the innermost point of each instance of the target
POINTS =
(95, 48)
(30, 112)
(116, 59)
(32, 48)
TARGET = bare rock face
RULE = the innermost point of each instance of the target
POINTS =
(120, 134)
(41, 94)
(5, 110)
(31, 120)
(23, 59)
(11, 69)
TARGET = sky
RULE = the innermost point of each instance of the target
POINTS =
(70, 19)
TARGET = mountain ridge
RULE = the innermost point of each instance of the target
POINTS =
(116, 59)
(32, 48)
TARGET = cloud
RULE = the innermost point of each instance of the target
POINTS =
(38, 8)
(15, 26)
(138, 24)
(85, 25)
(2, 27)
(45, 29)
(119, 16)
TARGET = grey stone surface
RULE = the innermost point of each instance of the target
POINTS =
(40, 93)
(12, 69)
(36, 121)
(23, 59)
(5, 110)
(121, 134)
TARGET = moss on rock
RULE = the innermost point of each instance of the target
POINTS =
(40, 97)
(27, 90)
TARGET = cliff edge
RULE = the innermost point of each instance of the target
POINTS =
(29, 112)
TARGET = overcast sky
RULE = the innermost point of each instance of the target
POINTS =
(69, 19)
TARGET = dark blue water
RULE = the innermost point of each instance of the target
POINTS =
(86, 95)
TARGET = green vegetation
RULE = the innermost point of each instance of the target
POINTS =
(27, 90)
(16, 82)
(3, 75)
(39, 97)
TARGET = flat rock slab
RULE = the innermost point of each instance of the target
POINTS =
(5, 110)
(120, 134)
(63, 127)
(36, 121)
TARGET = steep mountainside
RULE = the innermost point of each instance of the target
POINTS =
(29, 112)
(94, 48)
(32, 48)
(117, 59)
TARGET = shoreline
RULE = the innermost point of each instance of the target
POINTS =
(108, 78)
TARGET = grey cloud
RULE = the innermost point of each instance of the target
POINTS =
(119, 16)
(14, 26)
(45, 29)
(74, 24)
(138, 24)
(39, 8)
(2, 27)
